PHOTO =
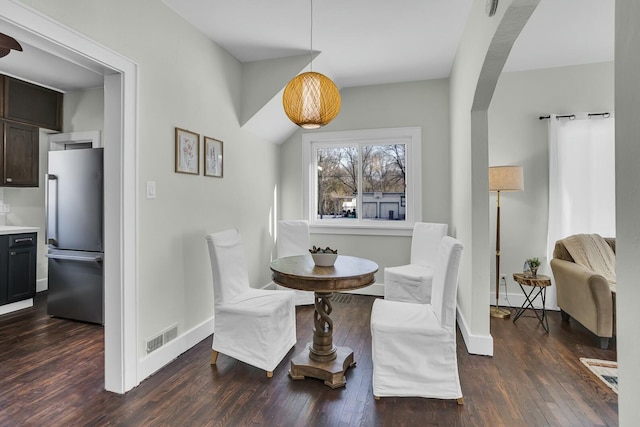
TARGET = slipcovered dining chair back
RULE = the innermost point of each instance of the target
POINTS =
(254, 326)
(293, 239)
(444, 287)
(425, 241)
(412, 282)
(228, 265)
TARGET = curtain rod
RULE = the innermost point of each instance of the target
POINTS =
(606, 115)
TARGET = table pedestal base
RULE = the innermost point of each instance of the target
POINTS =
(332, 372)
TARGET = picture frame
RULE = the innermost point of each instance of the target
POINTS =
(187, 152)
(213, 157)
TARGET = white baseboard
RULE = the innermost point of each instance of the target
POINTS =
(15, 306)
(42, 285)
(476, 344)
(155, 361)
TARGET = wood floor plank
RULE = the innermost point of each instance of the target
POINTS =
(52, 371)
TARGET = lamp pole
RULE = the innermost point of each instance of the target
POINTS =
(497, 311)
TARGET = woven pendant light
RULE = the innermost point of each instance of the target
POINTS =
(310, 99)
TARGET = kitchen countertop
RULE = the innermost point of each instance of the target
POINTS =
(15, 229)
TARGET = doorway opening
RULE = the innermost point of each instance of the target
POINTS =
(120, 166)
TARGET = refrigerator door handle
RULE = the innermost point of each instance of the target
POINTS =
(51, 210)
(92, 258)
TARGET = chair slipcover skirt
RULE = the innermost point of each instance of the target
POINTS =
(412, 355)
(256, 327)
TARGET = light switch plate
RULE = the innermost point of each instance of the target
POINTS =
(151, 189)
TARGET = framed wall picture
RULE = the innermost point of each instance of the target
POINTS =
(213, 157)
(187, 152)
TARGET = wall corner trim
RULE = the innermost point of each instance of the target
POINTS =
(476, 344)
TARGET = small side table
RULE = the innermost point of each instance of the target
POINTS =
(539, 283)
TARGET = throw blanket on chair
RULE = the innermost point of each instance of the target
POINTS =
(593, 252)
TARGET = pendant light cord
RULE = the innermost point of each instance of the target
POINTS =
(311, 39)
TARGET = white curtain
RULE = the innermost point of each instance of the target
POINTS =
(581, 177)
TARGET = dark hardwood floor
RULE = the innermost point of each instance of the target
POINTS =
(51, 373)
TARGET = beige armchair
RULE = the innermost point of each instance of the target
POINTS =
(583, 294)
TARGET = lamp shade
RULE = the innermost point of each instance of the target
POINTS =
(311, 100)
(506, 178)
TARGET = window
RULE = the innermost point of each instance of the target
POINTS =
(363, 182)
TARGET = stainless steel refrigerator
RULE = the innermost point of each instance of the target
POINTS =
(74, 233)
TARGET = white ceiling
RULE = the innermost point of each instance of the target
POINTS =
(362, 42)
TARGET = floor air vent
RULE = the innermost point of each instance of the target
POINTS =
(152, 344)
(344, 298)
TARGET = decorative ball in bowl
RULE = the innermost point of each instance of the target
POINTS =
(324, 257)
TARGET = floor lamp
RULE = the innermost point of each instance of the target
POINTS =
(502, 178)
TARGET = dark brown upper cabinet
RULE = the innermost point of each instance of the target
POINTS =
(19, 157)
(28, 103)
(24, 109)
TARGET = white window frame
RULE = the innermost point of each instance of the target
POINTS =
(411, 136)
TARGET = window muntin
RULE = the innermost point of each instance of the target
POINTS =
(383, 163)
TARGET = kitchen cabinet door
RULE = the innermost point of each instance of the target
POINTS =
(19, 266)
(28, 103)
(21, 283)
(19, 157)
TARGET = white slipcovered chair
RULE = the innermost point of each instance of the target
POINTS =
(293, 239)
(413, 346)
(412, 282)
(254, 326)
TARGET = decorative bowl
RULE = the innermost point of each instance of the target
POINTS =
(324, 260)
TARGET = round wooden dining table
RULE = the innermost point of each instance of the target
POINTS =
(321, 359)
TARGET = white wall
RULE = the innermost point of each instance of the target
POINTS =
(424, 104)
(185, 81)
(518, 137)
(627, 93)
(83, 110)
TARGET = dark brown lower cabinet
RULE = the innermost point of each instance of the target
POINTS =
(18, 254)
(19, 157)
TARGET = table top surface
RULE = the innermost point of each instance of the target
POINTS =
(300, 272)
(540, 280)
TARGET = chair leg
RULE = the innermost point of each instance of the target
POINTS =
(461, 401)
(214, 357)
(269, 374)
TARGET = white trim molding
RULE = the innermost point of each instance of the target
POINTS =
(476, 344)
(174, 348)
